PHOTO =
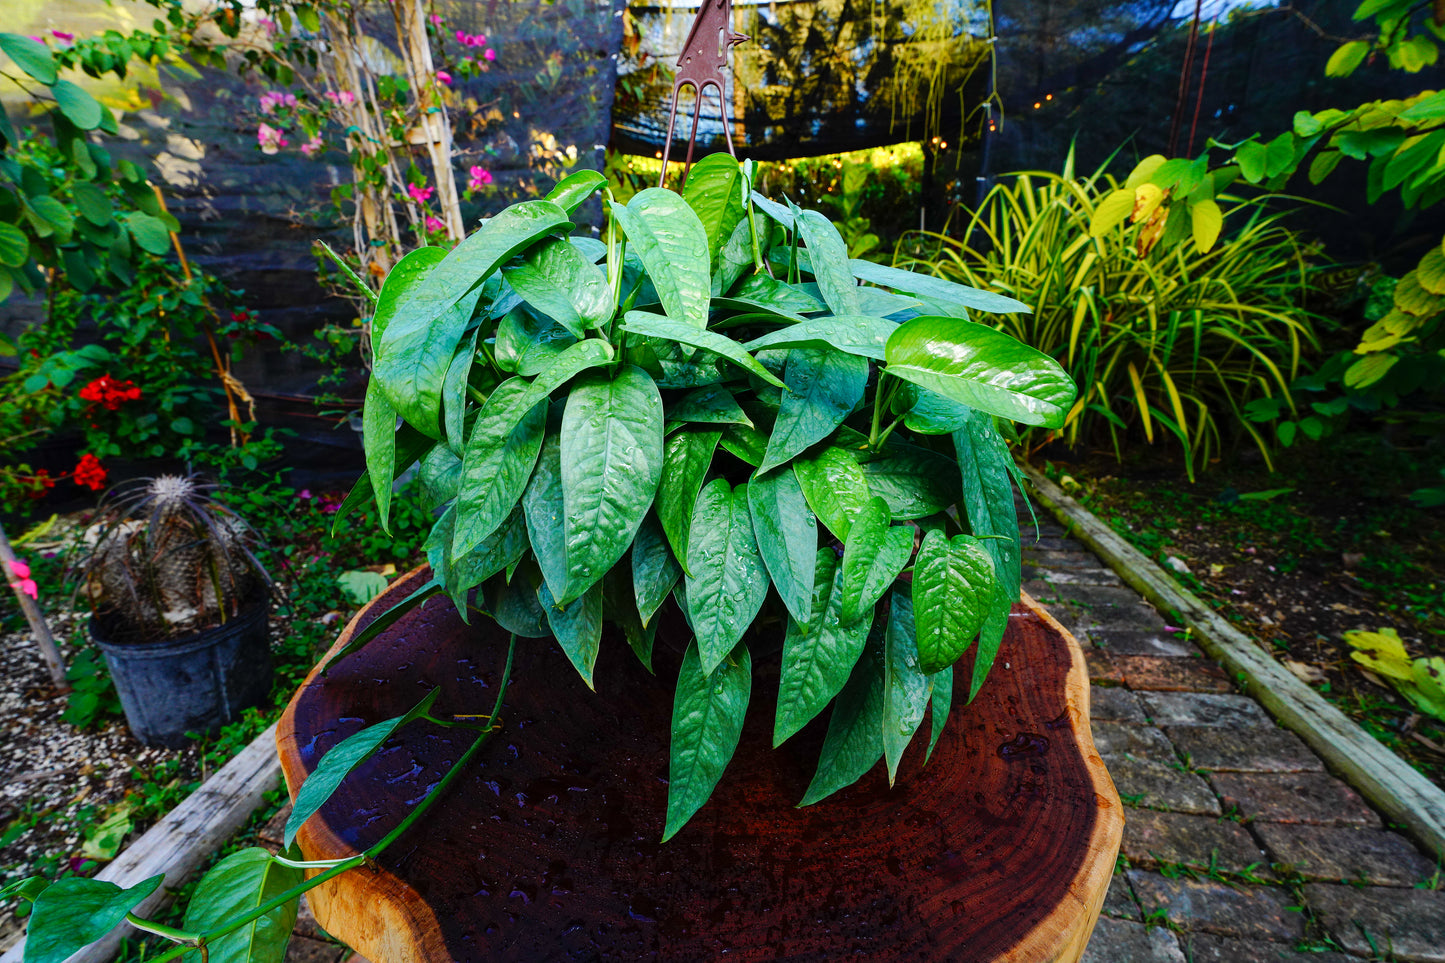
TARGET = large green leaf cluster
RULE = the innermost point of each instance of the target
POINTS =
(706, 405)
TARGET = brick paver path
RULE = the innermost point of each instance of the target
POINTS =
(1239, 847)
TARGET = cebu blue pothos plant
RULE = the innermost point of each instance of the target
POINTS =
(703, 405)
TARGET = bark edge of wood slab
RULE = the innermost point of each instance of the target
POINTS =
(1001, 849)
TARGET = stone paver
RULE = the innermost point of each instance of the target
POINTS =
(1073, 576)
(1408, 923)
(1154, 786)
(1119, 900)
(1139, 642)
(1254, 749)
(1258, 912)
(1120, 941)
(1202, 842)
(1204, 709)
(1335, 853)
(1102, 669)
(1202, 948)
(1139, 741)
(1294, 797)
(1114, 705)
(1165, 674)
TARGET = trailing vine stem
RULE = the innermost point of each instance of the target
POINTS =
(198, 941)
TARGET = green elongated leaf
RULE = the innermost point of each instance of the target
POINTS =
(787, 535)
(906, 689)
(915, 482)
(31, 56)
(829, 254)
(654, 570)
(14, 246)
(577, 628)
(499, 550)
(657, 326)
(748, 444)
(857, 335)
(707, 720)
(542, 503)
(988, 501)
(79, 107)
(74, 912)
(619, 608)
(854, 742)
(341, 760)
(818, 655)
(835, 487)
(686, 458)
(873, 556)
(726, 582)
(938, 289)
(941, 703)
(440, 475)
(673, 245)
(573, 190)
(516, 608)
(611, 464)
(237, 885)
(823, 387)
(500, 455)
(430, 317)
(714, 191)
(775, 295)
(527, 341)
(977, 366)
(92, 204)
(933, 414)
(385, 620)
(713, 405)
(148, 231)
(378, 441)
(953, 583)
(454, 393)
(558, 280)
(736, 257)
(400, 282)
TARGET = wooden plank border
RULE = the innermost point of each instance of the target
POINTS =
(185, 838)
(1382, 777)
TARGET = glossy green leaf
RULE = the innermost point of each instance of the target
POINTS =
(431, 316)
(92, 204)
(854, 742)
(30, 55)
(237, 885)
(953, 583)
(835, 488)
(542, 503)
(619, 608)
(515, 607)
(726, 582)
(875, 553)
(818, 655)
(977, 366)
(149, 232)
(378, 441)
(654, 570)
(713, 405)
(685, 461)
(736, 258)
(940, 705)
(501, 452)
(906, 689)
(927, 286)
(714, 191)
(14, 246)
(829, 255)
(988, 502)
(573, 190)
(577, 627)
(79, 107)
(824, 387)
(657, 326)
(454, 392)
(499, 550)
(774, 295)
(341, 760)
(558, 280)
(933, 414)
(915, 482)
(707, 720)
(400, 282)
(747, 444)
(440, 475)
(673, 245)
(74, 912)
(857, 335)
(611, 464)
(787, 535)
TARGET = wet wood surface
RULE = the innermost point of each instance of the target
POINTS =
(1001, 848)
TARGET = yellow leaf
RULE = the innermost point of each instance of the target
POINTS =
(1150, 234)
(1369, 369)
(1412, 296)
(1431, 271)
(1147, 198)
(1144, 170)
(1382, 652)
(1142, 402)
(1207, 220)
(1111, 212)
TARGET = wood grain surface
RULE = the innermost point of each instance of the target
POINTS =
(1001, 849)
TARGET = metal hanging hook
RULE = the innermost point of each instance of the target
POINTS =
(703, 63)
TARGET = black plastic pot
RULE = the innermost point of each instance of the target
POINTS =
(194, 684)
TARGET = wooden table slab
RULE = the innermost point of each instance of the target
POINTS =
(1001, 849)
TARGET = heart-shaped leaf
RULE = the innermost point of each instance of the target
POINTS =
(577, 628)
(953, 584)
(558, 280)
(874, 555)
(835, 488)
(237, 885)
(74, 912)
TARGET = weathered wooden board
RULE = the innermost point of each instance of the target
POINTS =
(1000, 849)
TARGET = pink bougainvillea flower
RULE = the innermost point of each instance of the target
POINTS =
(435, 223)
(419, 194)
(436, 19)
(490, 54)
(480, 177)
(28, 587)
(270, 139)
(462, 38)
(345, 98)
(312, 146)
(444, 77)
(271, 100)
(62, 35)
(21, 569)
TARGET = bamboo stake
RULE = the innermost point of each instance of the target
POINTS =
(38, 626)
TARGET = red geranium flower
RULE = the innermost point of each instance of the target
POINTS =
(90, 473)
(110, 393)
